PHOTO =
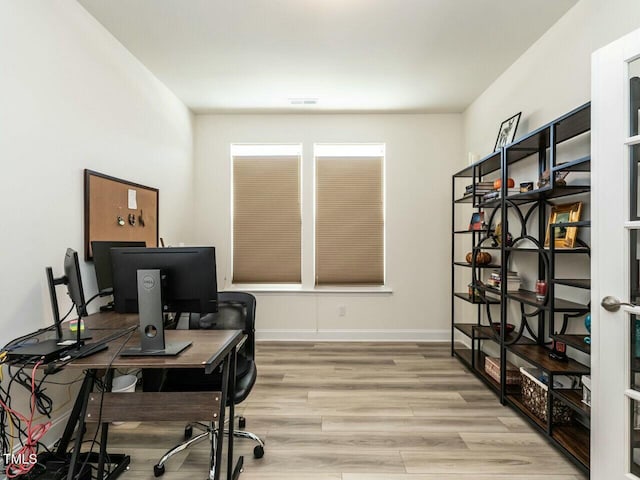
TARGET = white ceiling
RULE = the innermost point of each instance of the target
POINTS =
(352, 55)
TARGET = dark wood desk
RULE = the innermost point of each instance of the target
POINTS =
(210, 348)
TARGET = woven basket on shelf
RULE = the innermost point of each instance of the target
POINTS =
(534, 397)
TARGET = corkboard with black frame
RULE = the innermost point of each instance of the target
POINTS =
(118, 210)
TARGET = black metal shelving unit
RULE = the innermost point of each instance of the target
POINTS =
(482, 326)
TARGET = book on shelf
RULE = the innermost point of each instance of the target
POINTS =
(480, 188)
(514, 281)
(497, 194)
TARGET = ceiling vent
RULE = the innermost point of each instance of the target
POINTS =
(303, 101)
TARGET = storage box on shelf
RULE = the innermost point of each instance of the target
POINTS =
(525, 214)
(492, 367)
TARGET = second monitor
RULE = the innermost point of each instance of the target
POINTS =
(154, 281)
(102, 262)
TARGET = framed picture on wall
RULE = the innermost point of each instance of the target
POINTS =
(507, 131)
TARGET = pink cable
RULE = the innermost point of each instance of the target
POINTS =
(34, 434)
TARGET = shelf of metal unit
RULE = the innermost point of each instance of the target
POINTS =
(467, 298)
(580, 165)
(584, 283)
(539, 356)
(573, 398)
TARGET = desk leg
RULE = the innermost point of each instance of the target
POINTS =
(81, 400)
(231, 472)
(81, 423)
(104, 428)
(217, 439)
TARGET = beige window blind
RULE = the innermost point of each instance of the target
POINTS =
(349, 221)
(266, 219)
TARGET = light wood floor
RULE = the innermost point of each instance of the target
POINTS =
(364, 411)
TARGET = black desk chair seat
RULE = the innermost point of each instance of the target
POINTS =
(236, 311)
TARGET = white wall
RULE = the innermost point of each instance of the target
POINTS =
(553, 76)
(74, 98)
(422, 151)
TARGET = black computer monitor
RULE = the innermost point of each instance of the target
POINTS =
(189, 277)
(153, 281)
(74, 281)
(102, 262)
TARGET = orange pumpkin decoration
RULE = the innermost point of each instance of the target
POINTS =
(482, 258)
(497, 184)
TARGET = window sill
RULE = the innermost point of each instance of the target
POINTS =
(386, 290)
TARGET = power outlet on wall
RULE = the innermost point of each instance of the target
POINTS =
(342, 311)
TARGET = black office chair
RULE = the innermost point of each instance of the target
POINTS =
(236, 311)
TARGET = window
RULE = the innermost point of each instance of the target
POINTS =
(266, 214)
(349, 215)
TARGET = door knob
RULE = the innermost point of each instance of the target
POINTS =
(613, 304)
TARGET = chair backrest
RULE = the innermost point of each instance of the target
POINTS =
(236, 311)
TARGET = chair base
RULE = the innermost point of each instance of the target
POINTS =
(207, 431)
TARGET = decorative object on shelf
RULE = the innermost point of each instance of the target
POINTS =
(541, 290)
(477, 221)
(497, 184)
(558, 351)
(587, 324)
(526, 187)
(510, 327)
(497, 237)
(507, 131)
(482, 258)
(492, 367)
(560, 181)
(120, 221)
(132, 219)
(535, 397)
(475, 295)
(564, 237)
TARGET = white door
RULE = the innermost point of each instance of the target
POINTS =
(615, 351)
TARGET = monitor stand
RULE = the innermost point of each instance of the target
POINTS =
(62, 335)
(151, 318)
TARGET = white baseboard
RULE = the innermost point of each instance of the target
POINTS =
(354, 335)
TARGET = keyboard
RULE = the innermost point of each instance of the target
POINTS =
(102, 344)
(86, 350)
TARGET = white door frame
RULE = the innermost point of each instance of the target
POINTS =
(610, 348)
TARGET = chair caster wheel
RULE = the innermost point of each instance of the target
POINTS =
(188, 432)
(258, 451)
(242, 423)
(158, 470)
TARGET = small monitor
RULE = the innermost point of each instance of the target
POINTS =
(189, 277)
(102, 262)
(74, 281)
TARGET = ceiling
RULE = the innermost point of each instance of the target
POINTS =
(350, 55)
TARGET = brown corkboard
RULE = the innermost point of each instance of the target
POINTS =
(106, 201)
